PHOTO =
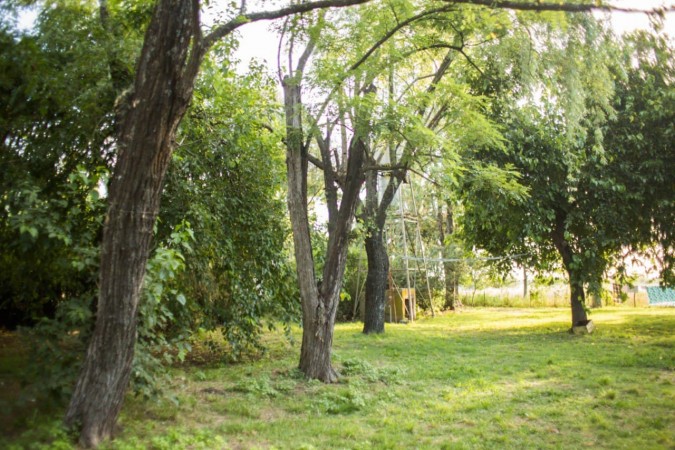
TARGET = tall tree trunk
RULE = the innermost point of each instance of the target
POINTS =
(162, 91)
(446, 227)
(376, 214)
(319, 312)
(317, 337)
(376, 282)
(450, 284)
(577, 294)
(319, 303)
(376, 250)
(378, 260)
(597, 300)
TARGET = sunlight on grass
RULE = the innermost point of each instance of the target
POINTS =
(482, 378)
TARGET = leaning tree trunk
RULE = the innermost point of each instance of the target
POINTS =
(162, 91)
(376, 282)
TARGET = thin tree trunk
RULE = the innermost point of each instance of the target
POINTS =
(313, 360)
(450, 285)
(162, 92)
(446, 227)
(597, 300)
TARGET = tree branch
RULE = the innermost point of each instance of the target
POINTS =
(561, 6)
(393, 31)
(430, 180)
(305, 56)
(242, 19)
(385, 167)
(315, 161)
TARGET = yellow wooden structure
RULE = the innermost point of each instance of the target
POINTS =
(401, 305)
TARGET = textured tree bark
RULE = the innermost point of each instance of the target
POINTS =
(378, 260)
(317, 333)
(162, 91)
(317, 341)
(376, 282)
(577, 294)
(319, 302)
(578, 300)
(376, 250)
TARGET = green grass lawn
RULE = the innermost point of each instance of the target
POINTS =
(483, 378)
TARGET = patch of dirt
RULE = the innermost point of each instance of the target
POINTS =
(214, 391)
(270, 414)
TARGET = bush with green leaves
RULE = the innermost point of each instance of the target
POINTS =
(220, 260)
(57, 95)
(58, 343)
(227, 180)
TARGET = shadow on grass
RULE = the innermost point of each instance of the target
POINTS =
(485, 378)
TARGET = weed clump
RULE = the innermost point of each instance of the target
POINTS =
(355, 367)
(343, 402)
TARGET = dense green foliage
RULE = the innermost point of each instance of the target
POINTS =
(641, 156)
(226, 182)
(591, 190)
(57, 119)
(219, 251)
(560, 139)
(58, 102)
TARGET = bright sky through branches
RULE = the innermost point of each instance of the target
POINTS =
(257, 41)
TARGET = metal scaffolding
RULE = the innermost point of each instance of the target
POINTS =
(404, 243)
